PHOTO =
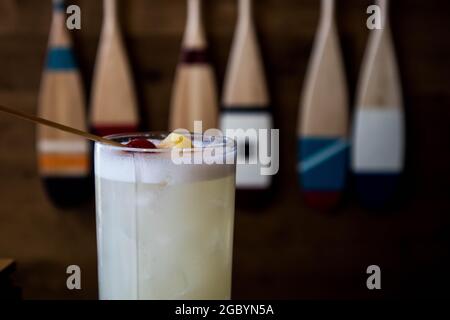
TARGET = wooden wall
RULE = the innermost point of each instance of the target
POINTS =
(282, 248)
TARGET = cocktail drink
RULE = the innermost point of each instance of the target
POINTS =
(164, 229)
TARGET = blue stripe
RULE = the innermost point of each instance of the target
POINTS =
(61, 59)
(58, 5)
(323, 163)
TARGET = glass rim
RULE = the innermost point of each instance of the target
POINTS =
(224, 142)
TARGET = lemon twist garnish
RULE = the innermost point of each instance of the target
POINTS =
(175, 140)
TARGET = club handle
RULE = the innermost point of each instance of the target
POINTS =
(245, 9)
(110, 8)
(195, 35)
(384, 6)
(327, 10)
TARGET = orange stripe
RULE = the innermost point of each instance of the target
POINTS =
(61, 162)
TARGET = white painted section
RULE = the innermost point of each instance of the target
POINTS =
(194, 36)
(248, 176)
(63, 146)
(378, 140)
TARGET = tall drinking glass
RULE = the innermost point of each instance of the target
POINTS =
(165, 229)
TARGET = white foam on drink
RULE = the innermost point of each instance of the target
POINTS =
(156, 167)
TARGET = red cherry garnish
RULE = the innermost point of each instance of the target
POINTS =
(140, 144)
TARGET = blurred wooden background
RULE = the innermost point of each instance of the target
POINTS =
(282, 248)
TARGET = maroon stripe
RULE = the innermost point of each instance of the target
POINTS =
(322, 200)
(194, 56)
(109, 130)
